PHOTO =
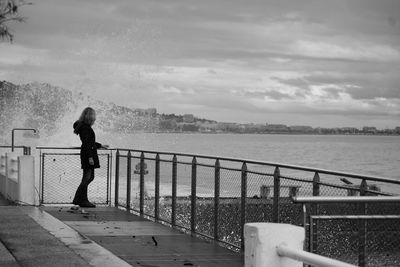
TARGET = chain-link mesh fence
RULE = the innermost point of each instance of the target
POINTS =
(183, 193)
(228, 193)
(120, 181)
(61, 175)
(358, 233)
(205, 205)
(216, 196)
(229, 210)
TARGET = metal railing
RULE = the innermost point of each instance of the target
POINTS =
(60, 175)
(215, 196)
(361, 229)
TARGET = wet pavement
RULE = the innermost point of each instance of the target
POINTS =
(103, 236)
(145, 243)
(26, 243)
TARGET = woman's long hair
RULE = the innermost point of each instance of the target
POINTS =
(88, 116)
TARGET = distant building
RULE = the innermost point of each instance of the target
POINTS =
(349, 130)
(252, 128)
(228, 126)
(277, 128)
(188, 118)
(151, 111)
(207, 127)
(369, 130)
(188, 127)
(301, 129)
(146, 112)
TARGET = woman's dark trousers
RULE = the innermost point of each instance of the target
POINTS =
(81, 192)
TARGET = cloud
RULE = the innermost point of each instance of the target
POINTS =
(226, 59)
(20, 55)
(351, 51)
(368, 85)
(269, 95)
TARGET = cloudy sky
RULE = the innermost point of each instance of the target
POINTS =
(298, 62)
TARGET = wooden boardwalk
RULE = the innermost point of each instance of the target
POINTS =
(141, 242)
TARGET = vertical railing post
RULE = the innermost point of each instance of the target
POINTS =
(108, 200)
(42, 199)
(116, 178)
(174, 185)
(316, 181)
(157, 189)
(141, 184)
(216, 199)
(193, 196)
(362, 229)
(307, 227)
(128, 182)
(313, 229)
(275, 205)
(243, 203)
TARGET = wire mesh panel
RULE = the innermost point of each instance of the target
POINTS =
(205, 220)
(383, 242)
(149, 185)
(61, 176)
(260, 185)
(183, 192)
(337, 239)
(290, 212)
(354, 232)
(229, 209)
(135, 182)
(340, 239)
(122, 180)
(165, 202)
(215, 196)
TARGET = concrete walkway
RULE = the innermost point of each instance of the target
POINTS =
(6, 258)
(104, 236)
(26, 243)
(140, 242)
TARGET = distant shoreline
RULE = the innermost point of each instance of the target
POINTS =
(276, 133)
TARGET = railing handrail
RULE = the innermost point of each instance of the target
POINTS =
(309, 258)
(355, 217)
(68, 147)
(272, 164)
(351, 199)
(250, 161)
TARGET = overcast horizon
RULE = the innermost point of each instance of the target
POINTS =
(308, 62)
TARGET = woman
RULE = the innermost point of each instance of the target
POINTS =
(89, 157)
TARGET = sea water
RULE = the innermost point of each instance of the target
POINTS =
(365, 155)
(360, 154)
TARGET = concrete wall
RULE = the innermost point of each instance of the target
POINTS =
(17, 178)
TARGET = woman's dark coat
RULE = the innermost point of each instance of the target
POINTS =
(89, 146)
